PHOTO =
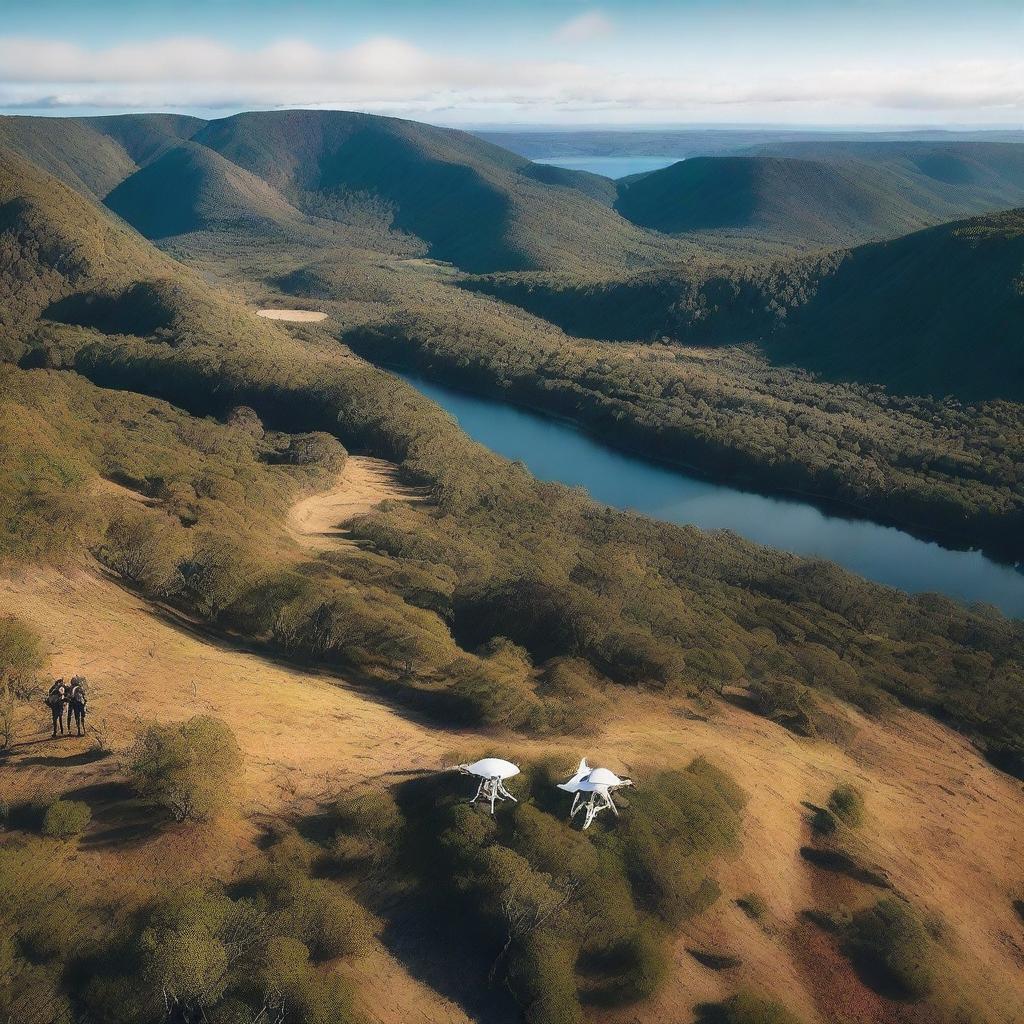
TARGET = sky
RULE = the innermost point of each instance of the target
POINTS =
(536, 62)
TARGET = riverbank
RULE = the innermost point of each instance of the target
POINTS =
(844, 462)
(556, 449)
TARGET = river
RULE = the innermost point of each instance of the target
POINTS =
(555, 450)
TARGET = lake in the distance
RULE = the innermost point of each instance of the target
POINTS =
(554, 450)
(611, 166)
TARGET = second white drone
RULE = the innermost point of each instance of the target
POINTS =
(591, 789)
(492, 773)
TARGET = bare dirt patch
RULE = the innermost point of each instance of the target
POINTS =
(318, 521)
(294, 316)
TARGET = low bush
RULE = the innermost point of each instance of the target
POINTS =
(189, 768)
(65, 819)
(891, 944)
(369, 828)
(566, 917)
(847, 804)
(21, 653)
(823, 822)
(747, 1008)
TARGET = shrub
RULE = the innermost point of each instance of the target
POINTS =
(541, 977)
(188, 768)
(218, 573)
(21, 652)
(891, 942)
(823, 822)
(847, 804)
(66, 819)
(189, 964)
(787, 702)
(747, 1008)
(325, 917)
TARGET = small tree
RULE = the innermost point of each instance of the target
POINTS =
(188, 768)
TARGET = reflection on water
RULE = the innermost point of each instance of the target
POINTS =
(556, 451)
(611, 166)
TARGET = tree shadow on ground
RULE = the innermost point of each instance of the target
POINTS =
(435, 952)
(120, 818)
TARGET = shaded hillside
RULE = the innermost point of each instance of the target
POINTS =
(937, 312)
(192, 188)
(804, 201)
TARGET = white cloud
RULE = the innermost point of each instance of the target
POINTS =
(386, 74)
(585, 27)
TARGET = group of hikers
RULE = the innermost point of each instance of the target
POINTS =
(72, 696)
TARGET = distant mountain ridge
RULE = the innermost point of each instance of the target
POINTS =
(474, 204)
(826, 195)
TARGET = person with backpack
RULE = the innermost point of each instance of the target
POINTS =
(76, 704)
(55, 700)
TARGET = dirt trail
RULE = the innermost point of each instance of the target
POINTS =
(945, 825)
(294, 316)
(365, 482)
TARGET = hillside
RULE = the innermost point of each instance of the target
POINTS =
(954, 178)
(475, 204)
(54, 244)
(93, 154)
(937, 312)
(807, 202)
(199, 190)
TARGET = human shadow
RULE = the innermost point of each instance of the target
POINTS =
(70, 761)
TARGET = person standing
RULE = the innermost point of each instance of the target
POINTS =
(56, 698)
(76, 704)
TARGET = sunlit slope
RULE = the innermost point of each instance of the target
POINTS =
(94, 154)
(67, 260)
(54, 243)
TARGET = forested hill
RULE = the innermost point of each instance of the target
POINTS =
(826, 194)
(937, 312)
(469, 202)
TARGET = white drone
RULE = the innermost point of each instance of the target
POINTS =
(492, 773)
(598, 782)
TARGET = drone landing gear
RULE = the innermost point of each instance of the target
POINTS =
(600, 800)
(491, 790)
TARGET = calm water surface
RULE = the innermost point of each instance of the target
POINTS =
(611, 166)
(557, 451)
